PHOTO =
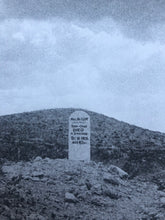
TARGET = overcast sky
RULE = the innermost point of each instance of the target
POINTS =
(107, 56)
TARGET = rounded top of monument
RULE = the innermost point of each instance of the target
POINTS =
(79, 114)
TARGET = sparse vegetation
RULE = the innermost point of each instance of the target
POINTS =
(45, 133)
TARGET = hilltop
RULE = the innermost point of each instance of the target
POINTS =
(45, 133)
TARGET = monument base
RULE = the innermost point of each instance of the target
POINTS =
(79, 153)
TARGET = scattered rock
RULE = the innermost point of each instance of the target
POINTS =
(50, 182)
(72, 173)
(69, 197)
(159, 216)
(96, 189)
(36, 179)
(38, 174)
(116, 170)
(109, 178)
(37, 159)
(36, 217)
(92, 192)
(161, 194)
(98, 202)
(6, 210)
(88, 184)
(162, 202)
(111, 194)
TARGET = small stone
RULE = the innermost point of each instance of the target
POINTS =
(35, 179)
(96, 189)
(88, 184)
(72, 173)
(47, 160)
(6, 211)
(36, 216)
(81, 196)
(161, 194)
(6, 202)
(69, 197)
(19, 217)
(37, 174)
(111, 194)
(121, 173)
(50, 182)
(111, 179)
(37, 159)
(162, 201)
(97, 202)
(69, 178)
(159, 216)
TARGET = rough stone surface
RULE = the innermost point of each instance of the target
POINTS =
(69, 197)
(116, 170)
(109, 178)
(162, 200)
(48, 189)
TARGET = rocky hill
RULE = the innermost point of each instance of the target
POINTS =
(47, 189)
(45, 133)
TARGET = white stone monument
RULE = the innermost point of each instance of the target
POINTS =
(79, 136)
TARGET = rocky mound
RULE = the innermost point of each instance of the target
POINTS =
(62, 189)
(45, 133)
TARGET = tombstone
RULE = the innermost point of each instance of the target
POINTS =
(79, 136)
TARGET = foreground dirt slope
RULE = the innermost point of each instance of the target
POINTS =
(62, 189)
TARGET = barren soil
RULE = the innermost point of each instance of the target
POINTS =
(61, 189)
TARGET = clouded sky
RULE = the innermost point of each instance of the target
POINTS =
(103, 55)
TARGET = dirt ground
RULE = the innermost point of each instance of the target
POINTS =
(46, 189)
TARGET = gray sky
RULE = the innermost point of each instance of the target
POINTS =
(103, 55)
